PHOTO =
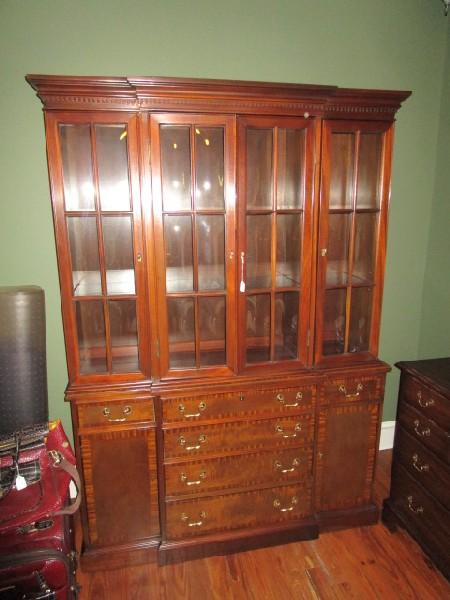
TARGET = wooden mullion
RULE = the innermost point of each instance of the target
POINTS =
(273, 252)
(192, 135)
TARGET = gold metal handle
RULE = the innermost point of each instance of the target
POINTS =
(139, 258)
(201, 408)
(424, 403)
(412, 508)
(201, 440)
(417, 466)
(343, 390)
(423, 432)
(126, 411)
(279, 429)
(281, 400)
(277, 504)
(185, 518)
(241, 396)
(184, 478)
(279, 467)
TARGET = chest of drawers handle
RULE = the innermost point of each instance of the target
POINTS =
(279, 429)
(279, 467)
(417, 466)
(424, 403)
(201, 440)
(201, 408)
(281, 399)
(185, 518)
(415, 509)
(184, 478)
(421, 432)
(355, 394)
(277, 504)
(126, 411)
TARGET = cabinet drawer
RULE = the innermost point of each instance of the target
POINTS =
(423, 466)
(429, 403)
(352, 389)
(239, 471)
(214, 406)
(221, 513)
(110, 413)
(224, 438)
(426, 431)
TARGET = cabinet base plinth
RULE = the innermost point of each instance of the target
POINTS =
(354, 517)
(120, 556)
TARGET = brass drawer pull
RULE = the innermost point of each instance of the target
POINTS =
(277, 504)
(343, 390)
(279, 467)
(241, 396)
(126, 411)
(412, 508)
(279, 429)
(424, 403)
(417, 466)
(201, 440)
(281, 400)
(421, 433)
(201, 408)
(185, 518)
(184, 478)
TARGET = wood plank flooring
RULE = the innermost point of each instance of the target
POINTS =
(365, 563)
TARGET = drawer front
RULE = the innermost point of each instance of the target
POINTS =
(222, 438)
(217, 406)
(239, 471)
(423, 466)
(185, 519)
(111, 412)
(426, 431)
(426, 519)
(352, 389)
(429, 403)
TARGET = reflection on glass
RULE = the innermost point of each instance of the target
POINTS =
(339, 226)
(91, 336)
(258, 328)
(288, 250)
(112, 161)
(178, 247)
(259, 168)
(369, 164)
(181, 319)
(342, 154)
(176, 167)
(212, 330)
(210, 231)
(124, 341)
(360, 318)
(291, 150)
(209, 162)
(118, 244)
(77, 167)
(334, 322)
(286, 325)
(83, 243)
(365, 248)
(258, 251)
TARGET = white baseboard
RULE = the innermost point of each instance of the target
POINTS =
(387, 435)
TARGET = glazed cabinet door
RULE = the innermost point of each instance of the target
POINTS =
(193, 200)
(94, 175)
(354, 199)
(276, 171)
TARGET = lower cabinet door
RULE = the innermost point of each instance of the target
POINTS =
(346, 452)
(120, 480)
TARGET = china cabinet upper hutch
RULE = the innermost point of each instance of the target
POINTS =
(221, 249)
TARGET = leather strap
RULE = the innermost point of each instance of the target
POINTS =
(69, 468)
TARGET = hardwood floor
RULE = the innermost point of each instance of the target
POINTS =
(357, 564)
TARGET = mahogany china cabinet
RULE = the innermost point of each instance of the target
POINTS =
(221, 249)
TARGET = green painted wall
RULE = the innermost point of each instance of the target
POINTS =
(397, 44)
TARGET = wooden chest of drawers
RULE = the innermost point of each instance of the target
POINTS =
(420, 485)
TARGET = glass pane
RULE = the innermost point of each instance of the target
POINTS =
(288, 250)
(291, 150)
(286, 325)
(334, 322)
(369, 164)
(176, 167)
(258, 251)
(360, 318)
(212, 331)
(339, 226)
(118, 243)
(209, 163)
(342, 156)
(181, 318)
(91, 336)
(365, 248)
(112, 162)
(259, 168)
(83, 243)
(79, 191)
(211, 251)
(258, 328)
(178, 244)
(124, 341)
